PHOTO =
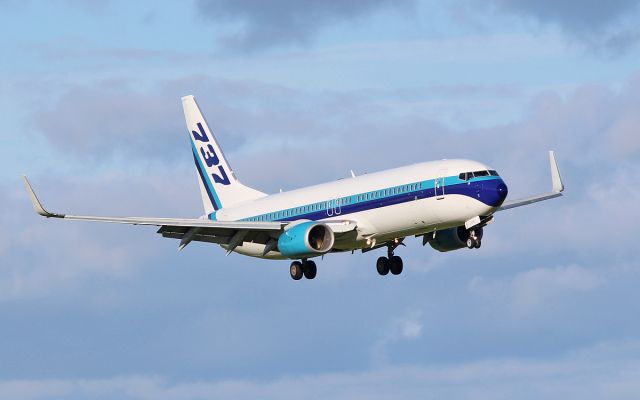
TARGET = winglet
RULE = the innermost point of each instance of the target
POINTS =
(36, 203)
(558, 186)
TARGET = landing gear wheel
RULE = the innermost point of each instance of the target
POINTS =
(478, 244)
(296, 270)
(395, 265)
(382, 265)
(309, 269)
(471, 243)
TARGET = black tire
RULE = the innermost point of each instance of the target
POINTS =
(395, 265)
(309, 269)
(478, 244)
(296, 270)
(471, 243)
(382, 265)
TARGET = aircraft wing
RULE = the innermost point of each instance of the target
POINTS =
(231, 233)
(557, 188)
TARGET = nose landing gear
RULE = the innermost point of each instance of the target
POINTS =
(474, 241)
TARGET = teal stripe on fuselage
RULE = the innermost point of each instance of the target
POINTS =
(367, 200)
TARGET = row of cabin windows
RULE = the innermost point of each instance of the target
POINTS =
(342, 201)
(465, 176)
(389, 192)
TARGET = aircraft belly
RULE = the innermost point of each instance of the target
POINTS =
(454, 210)
(256, 250)
(417, 217)
(414, 215)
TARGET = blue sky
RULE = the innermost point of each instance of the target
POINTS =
(91, 112)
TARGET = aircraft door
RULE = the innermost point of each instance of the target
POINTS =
(439, 185)
(334, 207)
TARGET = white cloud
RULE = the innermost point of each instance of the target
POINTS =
(602, 371)
(408, 326)
(411, 329)
(529, 290)
(45, 257)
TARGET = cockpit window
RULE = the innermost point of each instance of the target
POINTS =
(465, 176)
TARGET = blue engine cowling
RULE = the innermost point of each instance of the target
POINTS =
(307, 239)
(452, 238)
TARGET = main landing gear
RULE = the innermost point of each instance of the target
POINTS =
(474, 241)
(391, 263)
(306, 268)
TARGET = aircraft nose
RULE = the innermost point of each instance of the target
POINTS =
(502, 191)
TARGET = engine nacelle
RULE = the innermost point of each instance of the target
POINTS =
(306, 239)
(452, 238)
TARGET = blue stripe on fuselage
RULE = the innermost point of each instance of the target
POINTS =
(483, 189)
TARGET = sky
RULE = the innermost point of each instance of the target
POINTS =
(302, 92)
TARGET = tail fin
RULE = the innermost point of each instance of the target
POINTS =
(218, 184)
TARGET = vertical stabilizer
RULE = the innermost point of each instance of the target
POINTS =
(218, 184)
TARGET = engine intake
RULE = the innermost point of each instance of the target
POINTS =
(452, 238)
(306, 239)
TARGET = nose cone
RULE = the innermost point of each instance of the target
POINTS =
(502, 192)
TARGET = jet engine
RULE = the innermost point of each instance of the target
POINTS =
(306, 239)
(452, 238)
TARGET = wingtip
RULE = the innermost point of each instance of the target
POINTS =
(556, 180)
(36, 202)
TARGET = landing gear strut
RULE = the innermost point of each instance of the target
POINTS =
(391, 263)
(306, 268)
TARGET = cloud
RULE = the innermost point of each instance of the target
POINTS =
(607, 370)
(408, 326)
(258, 122)
(282, 22)
(90, 122)
(600, 25)
(579, 16)
(530, 290)
(42, 258)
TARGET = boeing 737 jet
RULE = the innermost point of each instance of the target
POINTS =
(447, 203)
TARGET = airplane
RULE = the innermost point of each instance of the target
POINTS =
(447, 203)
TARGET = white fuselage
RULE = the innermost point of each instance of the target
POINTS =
(385, 205)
